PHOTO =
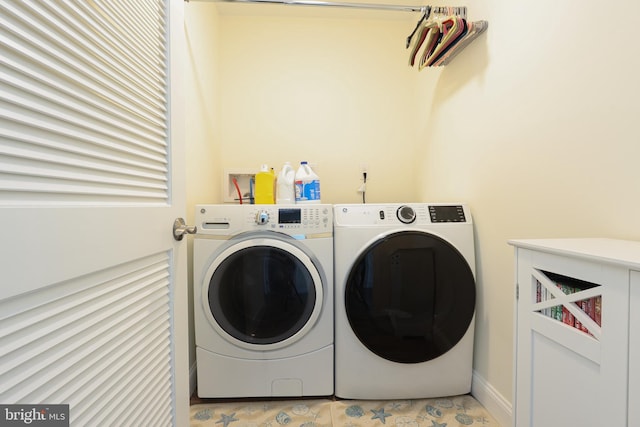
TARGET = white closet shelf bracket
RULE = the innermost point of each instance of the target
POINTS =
(374, 6)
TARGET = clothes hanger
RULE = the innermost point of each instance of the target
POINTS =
(454, 47)
(435, 35)
(429, 32)
(425, 16)
(453, 29)
(432, 36)
(475, 29)
(442, 32)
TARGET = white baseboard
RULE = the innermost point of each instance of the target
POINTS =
(493, 401)
(192, 379)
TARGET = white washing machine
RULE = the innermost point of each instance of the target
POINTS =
(405, 300)
(263, 300)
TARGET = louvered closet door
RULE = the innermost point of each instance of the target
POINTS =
(92, 285)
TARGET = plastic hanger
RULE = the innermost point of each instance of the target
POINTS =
(424, 17)
(432, 36)
(428, 36)
(474, 30)
(453, 29)
(442, 32)
(435, 36)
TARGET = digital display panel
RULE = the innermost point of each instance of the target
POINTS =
(447, 213)
(289, 216)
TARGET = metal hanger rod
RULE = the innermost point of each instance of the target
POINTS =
(338, 4)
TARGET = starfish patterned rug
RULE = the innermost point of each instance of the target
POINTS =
(441, 412)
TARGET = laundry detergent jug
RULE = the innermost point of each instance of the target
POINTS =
(307, 184)
(264, 186)
(285, 190)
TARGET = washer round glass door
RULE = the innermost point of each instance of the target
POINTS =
(410, 297)
(262, 293)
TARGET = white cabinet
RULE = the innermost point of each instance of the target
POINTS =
(577, 326)
(634, 350)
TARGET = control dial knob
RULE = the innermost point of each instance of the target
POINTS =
(406, 214)
(262, 217)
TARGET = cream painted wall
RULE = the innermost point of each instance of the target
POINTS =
(332, 88)
(203, 153)
(549, 145)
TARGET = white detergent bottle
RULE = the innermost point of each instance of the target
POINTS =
(307, 185)
(285, 190)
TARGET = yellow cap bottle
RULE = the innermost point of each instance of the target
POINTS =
(265, 180)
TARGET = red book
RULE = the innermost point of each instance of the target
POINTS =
(567, 317)
(583, 306)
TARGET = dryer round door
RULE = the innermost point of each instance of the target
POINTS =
(410, 297)
(262, 293)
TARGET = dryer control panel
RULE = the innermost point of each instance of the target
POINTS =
(453, 213)
(401, 214)
(295, 220)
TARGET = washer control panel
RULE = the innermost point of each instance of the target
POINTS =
(226, 220)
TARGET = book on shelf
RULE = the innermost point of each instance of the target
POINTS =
(591, 306)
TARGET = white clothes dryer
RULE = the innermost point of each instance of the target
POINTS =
(405, 300)
(263, 300)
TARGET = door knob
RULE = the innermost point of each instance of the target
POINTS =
(180, 228)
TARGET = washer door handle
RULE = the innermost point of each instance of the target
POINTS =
(180, 228)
